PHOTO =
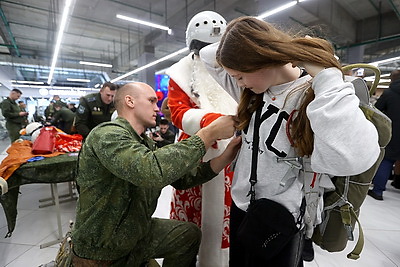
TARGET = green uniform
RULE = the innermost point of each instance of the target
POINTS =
(91, 112)
(50, 110)
(120, 176)
(24, 118)
(65, 117)
(11, 110)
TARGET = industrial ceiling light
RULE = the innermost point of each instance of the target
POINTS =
(279, 9)
(55, 87)
(158, 26)
(95, 64)
(59, 38)
(151, 64)
(78, 80)
(26, 82)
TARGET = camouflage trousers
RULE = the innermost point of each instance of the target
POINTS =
(13, 130)
(176, 241)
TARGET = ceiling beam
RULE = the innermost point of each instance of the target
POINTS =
(7, 25)
(395, 7)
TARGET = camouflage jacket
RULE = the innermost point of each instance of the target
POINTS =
(120, 175)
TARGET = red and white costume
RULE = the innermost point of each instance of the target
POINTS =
(195, 100)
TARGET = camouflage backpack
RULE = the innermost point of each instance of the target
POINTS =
(342, 196)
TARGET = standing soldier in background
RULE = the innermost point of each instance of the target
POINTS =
(13, 114)
(95, 108)
(22, 106)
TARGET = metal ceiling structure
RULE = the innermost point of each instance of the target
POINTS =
(360, 30)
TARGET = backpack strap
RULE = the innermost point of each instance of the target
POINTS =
(314, 187)
(355, 253)
(345, 213)
(254, 156)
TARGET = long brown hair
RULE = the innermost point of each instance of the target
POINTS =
(250, 44)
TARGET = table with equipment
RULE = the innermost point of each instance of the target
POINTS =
(50, 170)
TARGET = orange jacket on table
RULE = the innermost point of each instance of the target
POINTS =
(20, 151)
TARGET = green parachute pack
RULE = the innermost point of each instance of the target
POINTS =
(342, 206)
(342, 196)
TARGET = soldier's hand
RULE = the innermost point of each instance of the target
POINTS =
(223, 127)
(218, 163)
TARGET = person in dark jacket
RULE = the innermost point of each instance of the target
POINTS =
(50, 110)
(95, 108)
(13, 114)
(389, 103)
(63, 118)
(121, 174)
(164, 136)
(72, 107)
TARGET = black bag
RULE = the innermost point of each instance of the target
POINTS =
(266, 228)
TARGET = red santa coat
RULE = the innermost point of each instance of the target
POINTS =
(195, 100)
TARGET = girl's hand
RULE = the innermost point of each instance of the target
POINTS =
(311, 69)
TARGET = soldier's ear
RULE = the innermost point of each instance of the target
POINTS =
(129, 100)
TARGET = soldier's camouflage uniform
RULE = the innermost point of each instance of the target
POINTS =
(11, 110)
(121, 175)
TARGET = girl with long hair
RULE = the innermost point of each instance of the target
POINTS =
(293, 102)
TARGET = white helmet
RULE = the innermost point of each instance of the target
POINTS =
(33, 129)
(206, 27)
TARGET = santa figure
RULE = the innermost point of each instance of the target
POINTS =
(195, 99)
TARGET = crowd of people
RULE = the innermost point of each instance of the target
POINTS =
(246, 95)
(93, 109)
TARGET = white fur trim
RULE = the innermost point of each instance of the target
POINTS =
(191, 120)
(191, 73)
(181, 72)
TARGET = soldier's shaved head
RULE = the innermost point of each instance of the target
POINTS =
(132, 89)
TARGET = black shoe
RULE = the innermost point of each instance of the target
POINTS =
(395, 183)
(374, 195)
(308, 250)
